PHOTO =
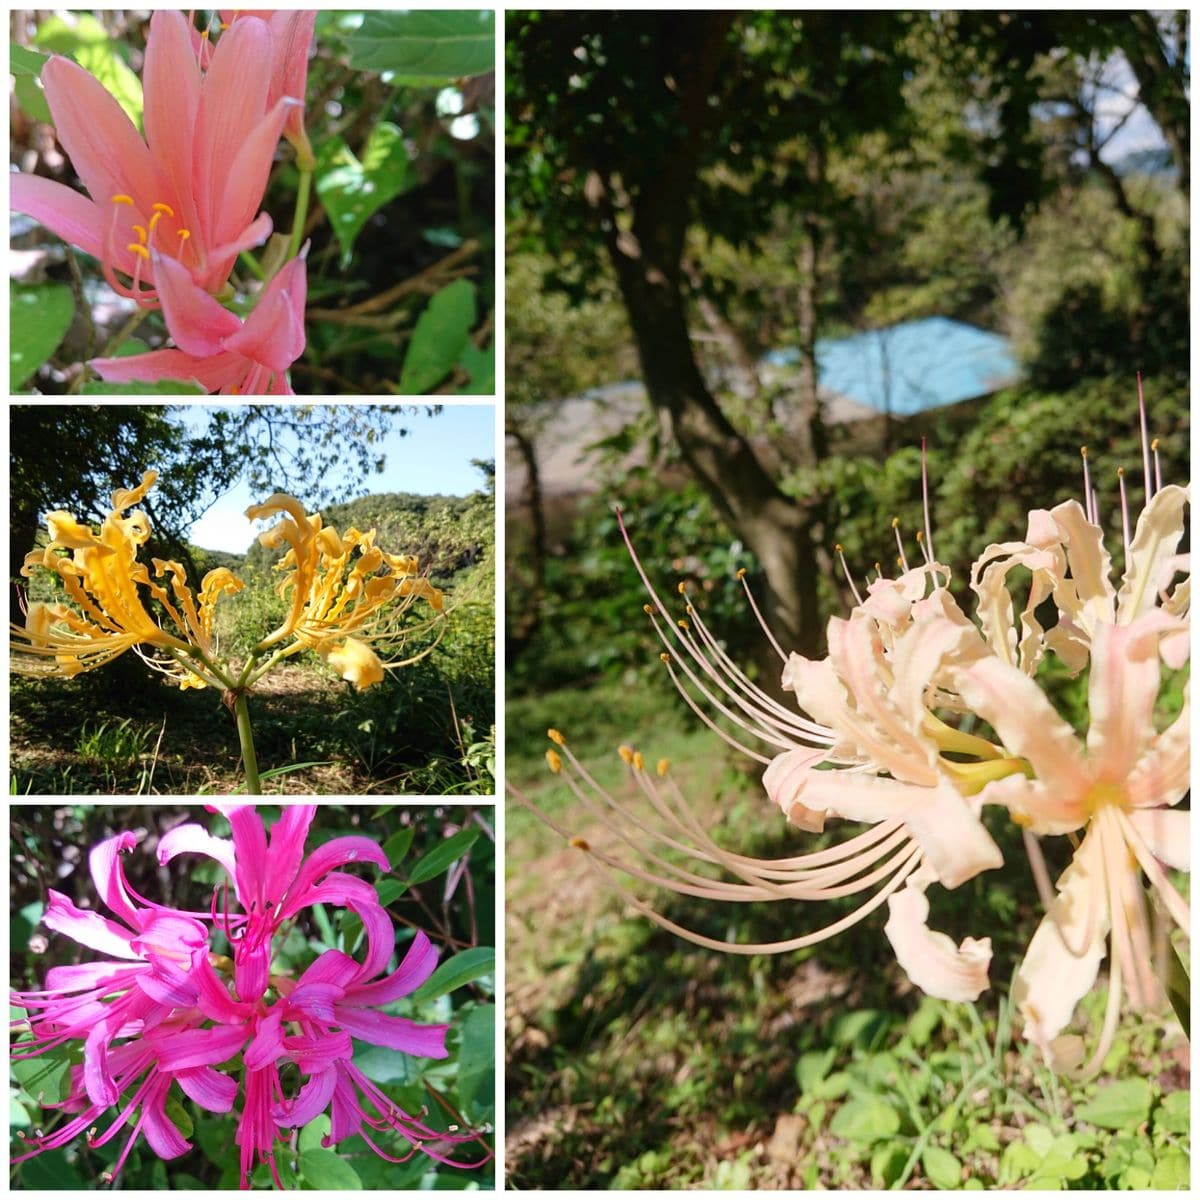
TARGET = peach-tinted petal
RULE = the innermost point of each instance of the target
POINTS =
(1163, 774)
(946, 827)
(1152, 553)
(931, 959)
(274, 332)
(785, 777)
(247, 178)
(1056, 974)
(1168, 834)
(211, 373)
(197, 323)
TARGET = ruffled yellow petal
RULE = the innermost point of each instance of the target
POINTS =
(355, 662)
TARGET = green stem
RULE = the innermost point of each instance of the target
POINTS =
(302, 193)
(126, 331)
(251, 264)
(246, 737)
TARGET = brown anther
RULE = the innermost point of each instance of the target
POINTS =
(579, 844)
(683, 625)
(682, 588)
(648, 609)
(664, 658)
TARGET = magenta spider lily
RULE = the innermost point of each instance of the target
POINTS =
(216, 348)
(188, 193)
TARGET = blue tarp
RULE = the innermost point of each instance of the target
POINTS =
(911, 367)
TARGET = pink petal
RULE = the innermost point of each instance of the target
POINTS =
(313, 1054)
(249, 854)
(312, 1100)
(97, 1078)
(89, 975)
(397, 1033)
(233, 101)
(194, 839)
(332, 967)
(171, 82)
(346, 1115)
(213, 997)
(104, 866)
(417, 966)
(267, 1044)
(785, 776)
(337, 853)
(252, 970)
(1168, 834)
(105, 149)
(287, 849)
(208, 1088)
(197, 323)
(165, 1139)
(87, 928)
(212, 374)
(274, 332)
(184, 1049)
(247, 178)
(73, 217)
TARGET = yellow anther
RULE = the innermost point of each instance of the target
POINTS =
(1083, 451)
(154, 220)
(664, 658)
(1154, 444)
(683, 625)
(920, 535)
(689, 610)
(140, 230)
(838, 547)
(121, 198)
(741, 572)
(663, 766)
(556, 737)
(553, 761)
(895, 522)
(648, 609)
(682, 588)
(184, 234)
(160, 207)
(626, 754)
(579, 844)
(900, 562)
(639, 763)
(138, 248)
(1120, 472)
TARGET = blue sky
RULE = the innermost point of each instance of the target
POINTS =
(435, 458)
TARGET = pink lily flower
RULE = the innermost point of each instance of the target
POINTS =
(273, 881)
(135, 1014)
(216, 348)
(188, 192)
(333, 1000)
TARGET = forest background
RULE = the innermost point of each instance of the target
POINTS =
(782, 178)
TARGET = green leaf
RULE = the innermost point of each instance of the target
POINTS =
(865, 1119)
(440, 337)
(397, 846)
(351, 190)
(437, 860)
(480, 366)
(50, 1171)
(385, 1065)
(813, 1066)
(89, 44)
(313, 1132)
(39, 317)
(1121, 1105)
(454, 972)
(31, 98)
(941, 1168)
(477, 1062)
(45, 1078)
(23, 61)
(1173, 1115)
(163, 387)
(326, 1172)
(178, 1116)
(425, 48)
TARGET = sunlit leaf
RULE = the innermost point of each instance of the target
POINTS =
(39, 317)
(425, 48)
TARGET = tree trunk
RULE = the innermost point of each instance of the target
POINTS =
(526, 623)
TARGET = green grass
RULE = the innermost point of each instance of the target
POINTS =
(637, 1060)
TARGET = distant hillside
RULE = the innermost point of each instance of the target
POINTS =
(448, 534)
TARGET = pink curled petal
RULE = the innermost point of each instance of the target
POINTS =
(274, 332)
(312, 1100)
(210, 1089)
(785, 777)
(194, 839)
(931, 959)
(381, 939)
(196, 322)
(337, 853)
(247, 178)
(319, 1053)
(105, 149)
(171, 991)
(212, 374)
(83, 976)
(104, 866)
(97, 1078)
(346, 1115)
(316, 1000)
(332, 967)
(170, 934)
(213, 997)
(87, 928)
(165, 1139)
(180, 1050)
(253, 235)
(73, 217)
(397, 1033)
(416, 967)
(266, 1046)
(249, 854)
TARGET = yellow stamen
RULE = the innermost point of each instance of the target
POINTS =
(184, 234)
(741, 572)
(121, 198)
(664, 657)
(139, 249)
(556, 737)
(140, 230)
(682, 588)
(553, 761)
(648, 610)
(639, 763)
(160, 207)
(626, 754)
(663, 766)
(579, 844)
